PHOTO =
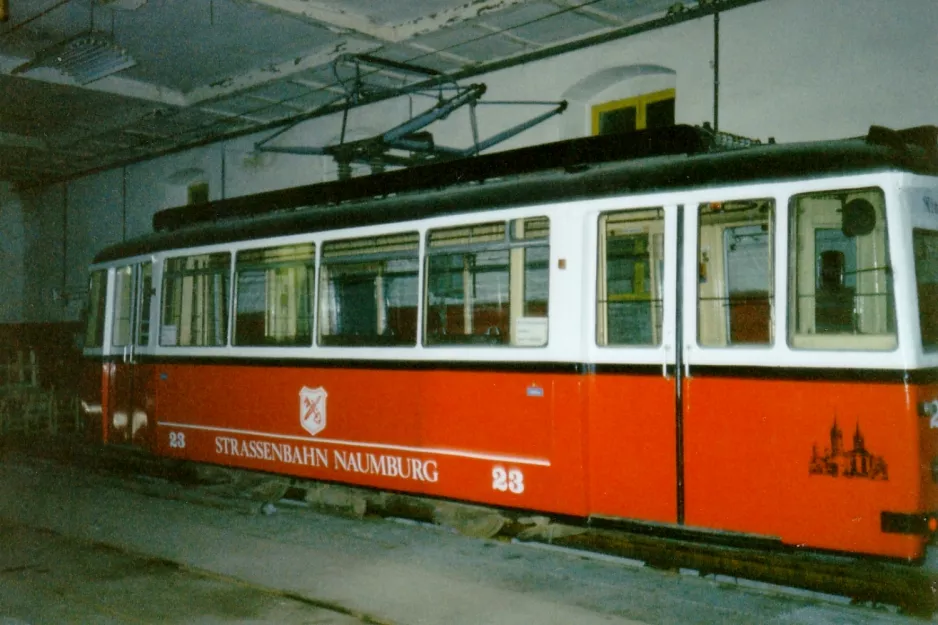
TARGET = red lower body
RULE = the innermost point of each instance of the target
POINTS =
(810, 463)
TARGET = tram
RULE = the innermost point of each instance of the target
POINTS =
(657, 330)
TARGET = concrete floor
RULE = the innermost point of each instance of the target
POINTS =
(50, 578)
(82, 547)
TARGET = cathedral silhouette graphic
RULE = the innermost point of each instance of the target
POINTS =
(837, 461)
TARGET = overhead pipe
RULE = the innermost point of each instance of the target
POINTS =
(123, 203)
(64, 282)
(716, 72)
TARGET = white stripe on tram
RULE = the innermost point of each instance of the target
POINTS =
(333, 441)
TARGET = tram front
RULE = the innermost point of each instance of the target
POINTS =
(919, 201)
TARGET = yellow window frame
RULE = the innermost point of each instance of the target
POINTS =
(197, 193)
(639, 103)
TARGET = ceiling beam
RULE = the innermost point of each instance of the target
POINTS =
(130, 88)
(450, 17)
(345, 22)
(369, 34)
(587, 9)
(127, 87)
(335, 19)
(235, 84)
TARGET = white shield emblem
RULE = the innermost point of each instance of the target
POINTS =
(313, 409)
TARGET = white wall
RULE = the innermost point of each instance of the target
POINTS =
(791, 69)
(12, 256)
(94, 218)
(163, 182)
(44, 261)
(817, 69)
(683, 51)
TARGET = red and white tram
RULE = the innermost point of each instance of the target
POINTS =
(639, 329)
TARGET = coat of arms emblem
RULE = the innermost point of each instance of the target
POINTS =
(313, 409)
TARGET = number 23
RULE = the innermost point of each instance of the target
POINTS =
(503, 480)
(177, 440)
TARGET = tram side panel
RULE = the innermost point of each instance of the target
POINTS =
(130, 409)
(922, 197)
(94, 370)
(517, 434)
(92, 385)
(813, 442)
(120, 410)
(488, 437)
(925, 401)
(813, 463)
(288, 418)
(631, 438)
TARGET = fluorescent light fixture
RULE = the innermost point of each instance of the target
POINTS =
(85, 58)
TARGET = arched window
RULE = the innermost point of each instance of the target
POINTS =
(197, 193)
(622, 99)
(649, 110)
(186, 187)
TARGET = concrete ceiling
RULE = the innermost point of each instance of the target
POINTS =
(209, 69)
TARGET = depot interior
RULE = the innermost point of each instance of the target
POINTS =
(112, 110)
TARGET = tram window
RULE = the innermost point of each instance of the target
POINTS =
(841, 293)
(195, 300)
(368, 291)
(146, 297)
(97, 300)
(124, 294)
(629, 289)
(735, 293)
(274, 296)
(487, 284)
(925, 244)
(123, 304)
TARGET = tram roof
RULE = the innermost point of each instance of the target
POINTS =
(680, 157)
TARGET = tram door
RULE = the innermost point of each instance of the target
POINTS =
(732, 419)
(676, 287)
(127, 410)
(633, 396)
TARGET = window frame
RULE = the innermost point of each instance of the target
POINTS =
(724, 333)
(873, 343)
(523, 331)
(656, 277)
(274, 264)
(167, 274)
(96, 309)
(639, 103)
(351, 264)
